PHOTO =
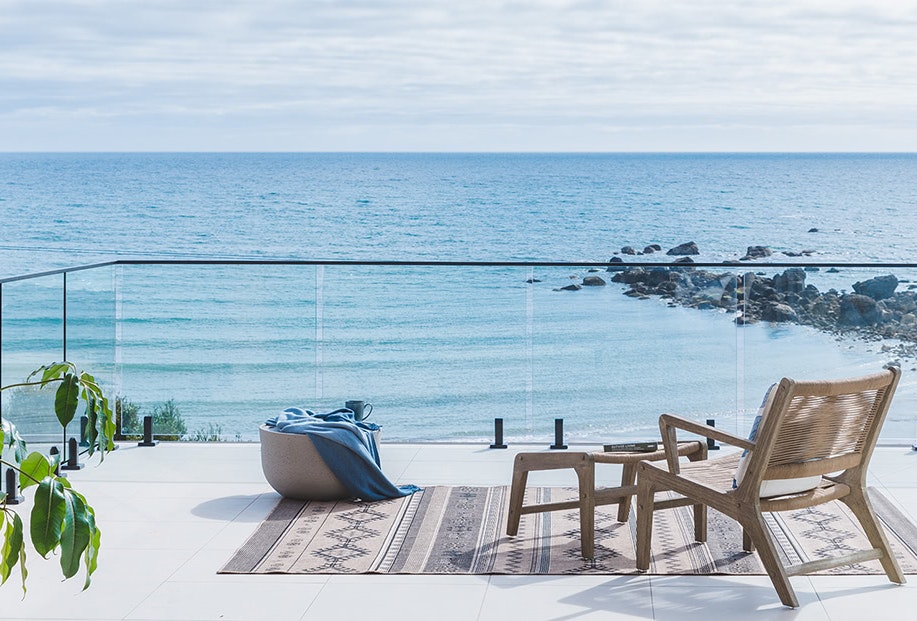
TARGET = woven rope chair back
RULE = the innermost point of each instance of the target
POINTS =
(828, 425)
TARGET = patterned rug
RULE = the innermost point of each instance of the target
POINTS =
(461, 530)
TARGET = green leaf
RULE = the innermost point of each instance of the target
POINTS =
(48, 515)
(91, 556)
(35, 468)
(76, 533)
(66, 399)
(13, 549)
(12, 544)
(9, 436)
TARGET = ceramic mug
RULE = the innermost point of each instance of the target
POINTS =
(361, 410)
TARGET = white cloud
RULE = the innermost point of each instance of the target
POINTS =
(392, 75)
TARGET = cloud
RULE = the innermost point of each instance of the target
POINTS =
(374, 68)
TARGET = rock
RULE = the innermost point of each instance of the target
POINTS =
(628, 250)
(833, 270)
(683, 261)
(593, 281)
(612, 268)
(756, 252)
(655, 247)
(858, 310)
(813, 230)
(684, 249)
(877, 288)
(573, 287)
(532, 280)
(792, 280)
(775, 311)
(649, 250)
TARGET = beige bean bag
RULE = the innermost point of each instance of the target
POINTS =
(294, 468)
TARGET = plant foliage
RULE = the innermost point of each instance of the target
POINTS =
(61, 520)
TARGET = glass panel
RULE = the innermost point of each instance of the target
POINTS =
(32, 332)
(91, 328)
(440, 352)
(610, 358)
(812, 323)
(211, 351)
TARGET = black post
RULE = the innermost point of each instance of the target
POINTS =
(73, 456)
(13, 497)
(558, 434)
(498, 434)
(147, 432)
(711, 443)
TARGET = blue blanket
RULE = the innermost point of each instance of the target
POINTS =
(348, 448)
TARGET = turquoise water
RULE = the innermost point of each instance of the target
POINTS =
(440, 351)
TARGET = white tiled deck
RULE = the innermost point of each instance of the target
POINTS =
(173, 514)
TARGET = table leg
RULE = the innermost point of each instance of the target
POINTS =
(585, 473)
(628, 478)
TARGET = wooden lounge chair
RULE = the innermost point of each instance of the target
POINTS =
(821, 429)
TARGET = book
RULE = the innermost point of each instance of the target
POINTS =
(633, 447)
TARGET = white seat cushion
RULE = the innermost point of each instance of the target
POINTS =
(772, 487)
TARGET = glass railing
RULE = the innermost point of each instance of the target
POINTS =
(211, 350)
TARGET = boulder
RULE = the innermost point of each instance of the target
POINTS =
(649, 250)
(614, 268)
(573, 287)
(877, 288)
(775, 311)
(593, 281)
(756, 252)
(858, 310)
(792, 280)
(628, 250)
(683, 249)
(685, 263)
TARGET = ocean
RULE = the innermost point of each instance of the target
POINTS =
(440, 351)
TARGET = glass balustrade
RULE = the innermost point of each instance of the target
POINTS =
(210, 350)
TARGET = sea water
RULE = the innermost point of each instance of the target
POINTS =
(439, 350)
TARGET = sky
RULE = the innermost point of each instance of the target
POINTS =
(458, 75)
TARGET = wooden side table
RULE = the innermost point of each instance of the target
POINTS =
(589, 497)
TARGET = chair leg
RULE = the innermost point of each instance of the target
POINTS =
(747, 544)
(645, 495)
(755, 529)
(859, 504)
(627, 479)
(516, 495)
(585, 473)
(700, 523)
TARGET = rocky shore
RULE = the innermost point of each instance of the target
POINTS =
(874, 310)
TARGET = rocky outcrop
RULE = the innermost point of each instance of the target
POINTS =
(878, 288)
(593, 281)
(688, 248)
(784, 297)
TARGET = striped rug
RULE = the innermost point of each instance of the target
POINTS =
(462, 530)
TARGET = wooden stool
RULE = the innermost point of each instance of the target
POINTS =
(590, 497)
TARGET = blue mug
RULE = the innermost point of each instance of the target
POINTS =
(361, 410)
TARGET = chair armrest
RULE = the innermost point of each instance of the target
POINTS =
(668, 423)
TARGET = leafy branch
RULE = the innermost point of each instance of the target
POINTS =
(61, 519)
